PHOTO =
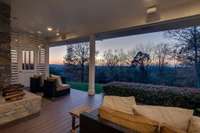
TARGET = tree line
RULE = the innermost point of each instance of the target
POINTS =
(139, 64)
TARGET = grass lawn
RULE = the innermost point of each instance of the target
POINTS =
(84, 86)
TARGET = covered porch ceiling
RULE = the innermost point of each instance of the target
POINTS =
(76, 19)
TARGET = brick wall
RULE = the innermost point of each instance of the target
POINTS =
(5, 40)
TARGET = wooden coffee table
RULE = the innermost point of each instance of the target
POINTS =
(75, 113)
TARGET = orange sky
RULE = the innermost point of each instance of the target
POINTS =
(56, 54)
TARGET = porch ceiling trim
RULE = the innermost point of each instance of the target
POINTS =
(147, 28)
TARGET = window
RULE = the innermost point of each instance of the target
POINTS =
(27, 60)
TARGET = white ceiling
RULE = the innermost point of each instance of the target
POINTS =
(82, 17)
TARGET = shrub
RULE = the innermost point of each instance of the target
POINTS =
(156, 95)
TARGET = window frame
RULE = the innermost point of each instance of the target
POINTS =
(28, 60)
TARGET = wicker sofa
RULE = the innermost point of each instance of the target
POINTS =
(123, 113)
(180, 107)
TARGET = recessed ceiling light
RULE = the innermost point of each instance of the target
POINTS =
(49, 28)
(57, 34)
(39, 32)
(31, 32)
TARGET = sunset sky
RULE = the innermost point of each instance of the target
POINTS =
(126, 43)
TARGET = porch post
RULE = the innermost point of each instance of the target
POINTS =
(91, 89)
(47, 59)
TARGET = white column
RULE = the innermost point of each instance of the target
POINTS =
(47, 59)
(91, 89)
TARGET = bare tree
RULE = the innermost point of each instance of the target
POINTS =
(123, 57)
(188, 47)
(162, 52)
(68, 59)
(174, 56)
(118, 57)
(78, 56)
(111, 59)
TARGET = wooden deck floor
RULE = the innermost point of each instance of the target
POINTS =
(54, 116)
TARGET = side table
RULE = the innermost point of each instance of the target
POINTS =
(75, 113)
(35, 84)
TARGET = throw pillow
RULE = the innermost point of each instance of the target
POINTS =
(59, 81)
(194, 126)
(168, 129)
(175, 117)
(122, 104)
(135, 123)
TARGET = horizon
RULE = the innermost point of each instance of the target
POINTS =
(56, 54)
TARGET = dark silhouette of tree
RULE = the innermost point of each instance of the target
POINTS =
(174, 57)
(141, 60)
(68, 59)
(188, 47)
(76, 58)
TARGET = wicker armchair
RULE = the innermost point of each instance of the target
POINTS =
(53, 87)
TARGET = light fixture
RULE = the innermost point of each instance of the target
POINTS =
(39, 32)
(57, 34)
(49, 28)
(151, 10)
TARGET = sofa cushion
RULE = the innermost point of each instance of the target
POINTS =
(168, 129)
(66, 85)
(58, 78)
(136, 123)
(122, 104)
(63, 87)
(194, 126)
(172, 116)
(51, 78)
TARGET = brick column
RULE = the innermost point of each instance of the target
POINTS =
(5, 46)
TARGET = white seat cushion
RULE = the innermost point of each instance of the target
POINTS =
(194, 126)
(172, 116)
(63, 87)
(66, 85)
(122, 104)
